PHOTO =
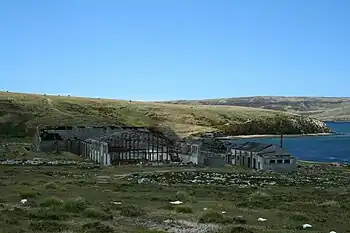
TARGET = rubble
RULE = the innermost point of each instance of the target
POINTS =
(36, 161)
(307, 176)
(173, 226)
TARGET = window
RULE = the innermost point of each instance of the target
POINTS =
(188, 148)
(280, 161)
(287, 161)
(194, 149)
(272, 161)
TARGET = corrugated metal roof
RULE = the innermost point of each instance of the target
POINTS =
(262, 149)
(251, 146)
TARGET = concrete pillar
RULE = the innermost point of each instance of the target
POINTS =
(88, 151)
(108, 159)
(93, 152)
(97, 152)
(101, 155)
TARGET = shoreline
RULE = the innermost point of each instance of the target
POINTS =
(275, 136)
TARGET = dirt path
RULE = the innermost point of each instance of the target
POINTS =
(49, 102)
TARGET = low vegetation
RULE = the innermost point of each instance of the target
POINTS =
(20, 113)
(78, 199)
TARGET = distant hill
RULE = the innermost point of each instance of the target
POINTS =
(19, 113)
(323, 108)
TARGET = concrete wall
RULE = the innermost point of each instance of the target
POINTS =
(53, 146)
(280, 167)
(96, 151)
(240, 158)
(215, 161)
(246, 159)
(189, 158)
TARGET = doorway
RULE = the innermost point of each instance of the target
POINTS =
(254, 163)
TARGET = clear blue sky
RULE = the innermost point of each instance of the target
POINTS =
(175, 49)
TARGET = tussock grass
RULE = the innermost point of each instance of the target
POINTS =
(29, 194)
(132, 211)
(75, 205)
(214, 217)
(89, 208)
(184, 209)
(51, 201)
(97, 214)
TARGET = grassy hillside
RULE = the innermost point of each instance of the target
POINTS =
(323, 108)
(20, 112)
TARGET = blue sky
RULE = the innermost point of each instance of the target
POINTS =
(175, 49)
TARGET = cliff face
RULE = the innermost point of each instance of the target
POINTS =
(281, 124)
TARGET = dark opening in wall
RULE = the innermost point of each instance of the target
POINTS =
(50, 137)
(63, 128)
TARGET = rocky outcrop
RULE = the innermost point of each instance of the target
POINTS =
(280, 124)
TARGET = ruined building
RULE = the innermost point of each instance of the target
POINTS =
(108, 145)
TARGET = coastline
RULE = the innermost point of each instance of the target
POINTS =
(274, 136)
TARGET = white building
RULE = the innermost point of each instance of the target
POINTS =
(261, 156)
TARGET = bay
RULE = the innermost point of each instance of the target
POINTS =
(332, 148)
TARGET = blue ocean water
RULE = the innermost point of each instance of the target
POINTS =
(334, 148)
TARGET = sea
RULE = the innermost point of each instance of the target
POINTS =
(332, 148)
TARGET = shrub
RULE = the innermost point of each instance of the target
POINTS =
(184, 209)
(96, 227)
(183, 196)
(51, 185)
(47, 214)
(236, 230)
(239, 220)
(149, 231)
(299, 217)
(29, 194)
(97, 214)
(75, 205)
(47, 226)
(51, 201)
(214, 217)
(132, 211)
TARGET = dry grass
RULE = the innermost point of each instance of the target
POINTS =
(323, 108)
(22, 111)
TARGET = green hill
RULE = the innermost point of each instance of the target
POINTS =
(21, 112)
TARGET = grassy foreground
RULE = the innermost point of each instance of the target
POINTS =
(21, 112)
(86, 199)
